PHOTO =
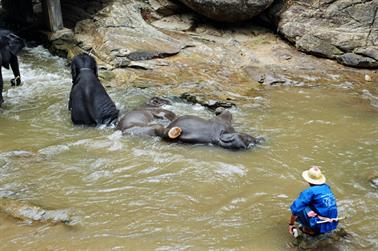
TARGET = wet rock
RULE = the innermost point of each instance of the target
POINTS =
(119, 34)
(228, 10)
(209, 103)
(320, 242)
(257, 73)
(273, 79)
(356, 60)
(374, 182)
(147, 55)
(340, 29)
(270, 77)
(28, 212)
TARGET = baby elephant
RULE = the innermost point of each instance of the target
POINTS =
(217, 131)
(89, 103)
(142, 121)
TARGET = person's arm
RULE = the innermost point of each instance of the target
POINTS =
(303, 200)
(291, 223)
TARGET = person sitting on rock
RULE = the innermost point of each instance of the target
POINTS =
(315, 209)
(10, 45)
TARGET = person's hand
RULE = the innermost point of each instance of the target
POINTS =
(291, 227)
(311, 214)
(15, 81)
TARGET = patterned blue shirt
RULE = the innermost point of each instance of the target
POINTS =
(322, 201)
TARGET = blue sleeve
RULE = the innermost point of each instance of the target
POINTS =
(303, 200)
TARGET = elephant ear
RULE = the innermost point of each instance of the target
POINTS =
(235, 141)
(227, 137)
(74, 71)
(15, 43)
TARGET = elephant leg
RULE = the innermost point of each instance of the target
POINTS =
(151, 130)
(16, 71)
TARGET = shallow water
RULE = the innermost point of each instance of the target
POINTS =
(129, 193)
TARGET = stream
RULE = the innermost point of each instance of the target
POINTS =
(132, 193)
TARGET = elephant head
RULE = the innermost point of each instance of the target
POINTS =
(157, 102)
(237, 141)
(82, 62)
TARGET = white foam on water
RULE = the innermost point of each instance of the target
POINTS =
(373, 99)
(54, 150)
(230, 170)
(39, 77)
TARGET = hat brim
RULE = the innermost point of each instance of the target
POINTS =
(310, 180)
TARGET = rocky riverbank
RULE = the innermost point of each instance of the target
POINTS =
(163, 44)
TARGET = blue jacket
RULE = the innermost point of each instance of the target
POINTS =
(322, 201)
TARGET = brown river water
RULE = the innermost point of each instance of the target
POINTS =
(129, 193)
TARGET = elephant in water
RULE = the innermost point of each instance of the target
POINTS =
(217, 131)
(10, 45)
(142, 121)
(89, 103)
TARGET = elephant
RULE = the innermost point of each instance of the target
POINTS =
(141, 121)
(10, 46)
(89, 103)
(217, 131)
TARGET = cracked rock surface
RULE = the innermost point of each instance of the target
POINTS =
(345, 30)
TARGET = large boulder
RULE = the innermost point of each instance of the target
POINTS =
(120, 35)
(228, 10)
(345, 30)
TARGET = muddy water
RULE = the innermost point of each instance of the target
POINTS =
(128, 193)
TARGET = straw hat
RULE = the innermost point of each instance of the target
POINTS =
(314, 176)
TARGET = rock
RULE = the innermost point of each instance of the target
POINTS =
(344, 30)
(374, 182)
(28, 212)
(119, 34)
(356, 60)
(367, 78)
(176, 22)
(165, 7)
(228, 10)
(209, 103)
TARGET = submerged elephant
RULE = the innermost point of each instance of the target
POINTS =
(217, 131)
(142, 121)
(10, 45)
(89, 103)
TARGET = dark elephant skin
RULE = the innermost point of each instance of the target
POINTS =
(217, 131)
(142, 121)
(10, 45)
(89, 103)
